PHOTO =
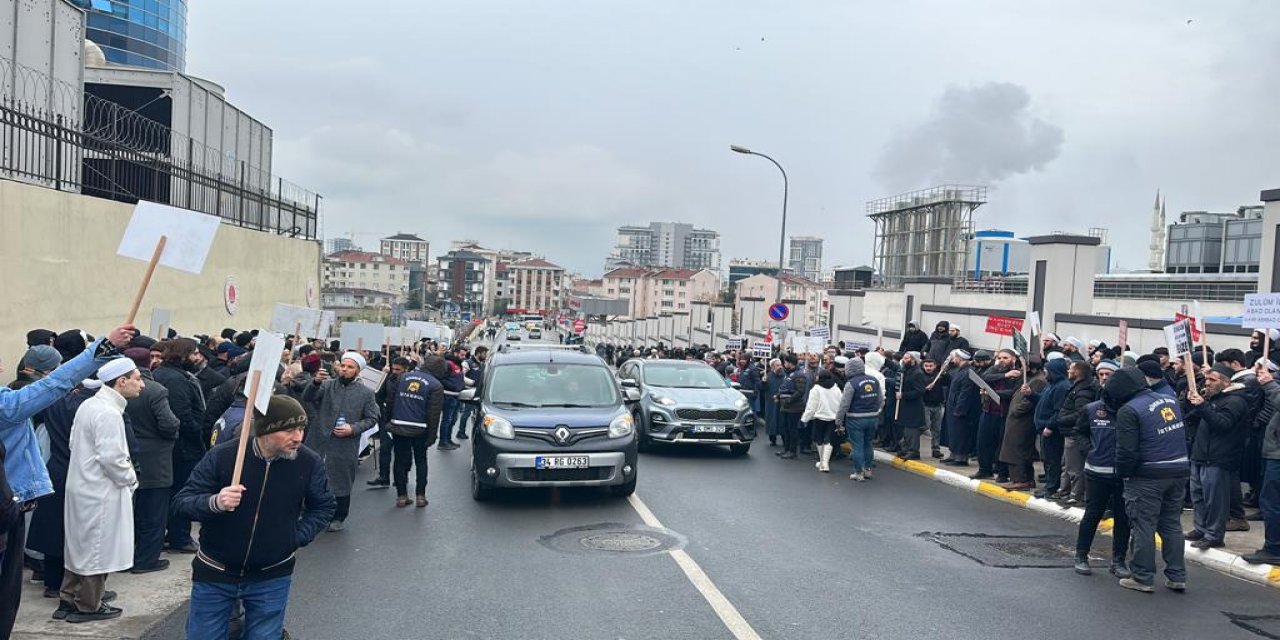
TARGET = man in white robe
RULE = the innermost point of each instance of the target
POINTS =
(99, 499)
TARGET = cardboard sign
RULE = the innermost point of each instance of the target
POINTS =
(1177, 338)
(161, 323)
(733, 344)
(372, 378)
(394, 335)
(1122, 340)
(1020, 344)
(188, 236)
(287, 318)
(982, 384)
(802, 344)
(820, 331)
(428, 330)
(854, 345)
(266, 359)
(1261, 311)
(1003, 326)
(361, 335)
(1191, 324)
(1033, 319)
(761, 349)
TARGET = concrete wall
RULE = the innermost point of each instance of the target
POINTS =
(58, 256)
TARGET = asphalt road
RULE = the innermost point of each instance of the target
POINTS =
(798, 553)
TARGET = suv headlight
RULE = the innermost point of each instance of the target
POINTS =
(741, 403)
(662, 400)
(499, 427)
(621, 426)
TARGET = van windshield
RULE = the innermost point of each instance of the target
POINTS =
(552, 385)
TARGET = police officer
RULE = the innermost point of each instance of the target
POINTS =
(1151, 457)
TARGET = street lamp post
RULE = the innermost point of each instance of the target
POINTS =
(782, 239)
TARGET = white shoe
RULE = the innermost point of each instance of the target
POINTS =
(824, 457)
(856, 477)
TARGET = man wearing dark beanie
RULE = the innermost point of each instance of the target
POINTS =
(1149, 365)
(1219, 421)
(251, 531)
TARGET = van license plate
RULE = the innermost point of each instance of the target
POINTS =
(562, 462)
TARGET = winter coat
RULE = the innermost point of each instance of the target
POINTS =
(939, 346)
(1220, 425)
(1004, 388)
(209, 380)
(46, 530)
(155, 430)
(962, 396)
(793, 394)
(353, 401)
(1019, 443)
(911, 406)
(1053, 395)
(100, 484)
(823, 403)
(1081, 393)
(914, 340)
(186, 400)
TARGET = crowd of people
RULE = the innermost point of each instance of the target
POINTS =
(1137, 438)
(113, 446)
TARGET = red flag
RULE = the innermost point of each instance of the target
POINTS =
(1195, 329)
(768, 336)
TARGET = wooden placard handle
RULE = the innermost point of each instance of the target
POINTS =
(245, 425)
(146, 279)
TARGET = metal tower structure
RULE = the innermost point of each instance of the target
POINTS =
(1155, 261)
(924, 233)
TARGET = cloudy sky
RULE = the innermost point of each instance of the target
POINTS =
(544, 125)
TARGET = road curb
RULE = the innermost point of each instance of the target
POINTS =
(1217, 559)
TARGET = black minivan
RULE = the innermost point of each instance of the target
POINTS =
(551, 416)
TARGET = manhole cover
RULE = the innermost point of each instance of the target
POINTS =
(1009, 552)
(1262, 626)
(620, 541)
(613, 539)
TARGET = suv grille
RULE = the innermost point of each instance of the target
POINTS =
(719, 415)
(559, 475)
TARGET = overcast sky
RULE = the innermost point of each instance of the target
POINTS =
(543, 126)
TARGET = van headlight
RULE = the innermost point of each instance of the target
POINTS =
(662, 400)
(741, 403)
(499, 427)
(621, 427)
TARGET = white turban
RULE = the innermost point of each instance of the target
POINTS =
(356, 358)
(115, 368)
(1075, 342)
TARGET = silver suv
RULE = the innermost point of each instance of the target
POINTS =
(687, 402)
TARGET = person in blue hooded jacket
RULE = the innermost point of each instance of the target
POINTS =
(1052, 443)
(1105, 488)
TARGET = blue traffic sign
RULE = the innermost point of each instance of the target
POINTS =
(779, 311)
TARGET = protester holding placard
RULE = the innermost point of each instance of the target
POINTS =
(344, 410)
(964, 407)
(1218, 419)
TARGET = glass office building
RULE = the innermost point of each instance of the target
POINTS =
(139, 33)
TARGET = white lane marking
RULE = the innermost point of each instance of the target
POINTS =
(728, 614)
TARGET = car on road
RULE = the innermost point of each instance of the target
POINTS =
(685, 402)
(551, 416)
(535, 334)
(513, 334)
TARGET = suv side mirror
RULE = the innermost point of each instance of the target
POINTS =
(629, 383)
(631, 395)
(467, 395)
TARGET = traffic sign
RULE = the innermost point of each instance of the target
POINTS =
(779, 311)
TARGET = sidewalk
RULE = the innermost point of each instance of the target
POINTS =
(146, 600)
(1226, 559)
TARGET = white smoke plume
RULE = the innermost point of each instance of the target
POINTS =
(975, 135)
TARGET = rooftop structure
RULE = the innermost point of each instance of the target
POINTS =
(923, 233)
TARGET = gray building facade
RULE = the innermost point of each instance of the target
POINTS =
(1208, 242)
(806, 257)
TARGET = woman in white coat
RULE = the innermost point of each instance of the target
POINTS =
(99, 499)
(820, 414)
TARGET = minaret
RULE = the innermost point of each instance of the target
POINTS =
(1156, 261)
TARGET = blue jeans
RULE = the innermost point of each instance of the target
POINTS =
(860, 432)
(1154, 505)
(1269, 500)
(1211, 497)
(448, 413)
(264, 604)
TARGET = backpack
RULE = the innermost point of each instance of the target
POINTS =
(228, 426)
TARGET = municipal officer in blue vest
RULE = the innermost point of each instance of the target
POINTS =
(1151, 457)
(414, 426)
(1096, 430)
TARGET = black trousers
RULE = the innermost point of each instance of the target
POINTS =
(179, 534)
(150, 513)
(1101, 493)
(790, 431)
(54, 568)
(344, 508)
(11, 576)
(1053, 448)
(410, 451)
(384, 453)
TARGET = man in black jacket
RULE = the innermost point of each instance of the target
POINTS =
(155, 429)
(187, 402)
(1084, 389)
(1220, 419)
(791, 402)
(910, 405)
(913, 340)
(939, 347)
(251, 531)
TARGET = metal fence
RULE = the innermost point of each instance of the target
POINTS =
(92, 146)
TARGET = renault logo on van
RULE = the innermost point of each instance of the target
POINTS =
(561, 435)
